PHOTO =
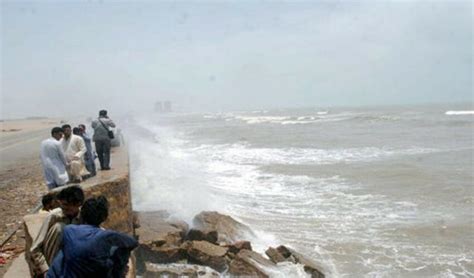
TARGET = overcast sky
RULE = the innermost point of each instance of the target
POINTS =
(75, 58)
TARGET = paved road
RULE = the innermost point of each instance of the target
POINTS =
(18, 147)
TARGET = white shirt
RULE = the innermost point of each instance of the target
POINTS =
(74, 147)
(54, 162)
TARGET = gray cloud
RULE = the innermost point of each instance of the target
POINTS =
(77, 58)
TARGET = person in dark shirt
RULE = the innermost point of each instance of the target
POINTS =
(90, 251)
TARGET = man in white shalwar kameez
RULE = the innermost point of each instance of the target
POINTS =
(53, 160)
(74, 148)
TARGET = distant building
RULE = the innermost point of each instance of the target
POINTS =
(167, 106)
(158, 106)
(163, 107)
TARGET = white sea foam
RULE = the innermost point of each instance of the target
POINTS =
(459, 113)
(261, 119)
(244, 154)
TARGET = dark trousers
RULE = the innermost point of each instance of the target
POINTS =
(102, 147)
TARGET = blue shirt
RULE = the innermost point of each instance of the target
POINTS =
(89, 251)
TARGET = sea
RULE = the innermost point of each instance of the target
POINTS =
(364, 192)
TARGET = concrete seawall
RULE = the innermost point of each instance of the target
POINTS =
(114, 184)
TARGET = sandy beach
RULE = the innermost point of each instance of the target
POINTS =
(21, 178)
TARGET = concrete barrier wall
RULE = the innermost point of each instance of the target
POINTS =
(118, 195)
(113, 184)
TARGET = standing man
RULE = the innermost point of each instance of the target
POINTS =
(101, 138)
(74, 149)
(53, 160)
(89, 157)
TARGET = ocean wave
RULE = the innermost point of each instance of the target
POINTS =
(262, 119)
(291, 120)
(300, 156)
(319, 117)
(459, 112)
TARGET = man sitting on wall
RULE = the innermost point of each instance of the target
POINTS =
(47, 243)
(90, 251)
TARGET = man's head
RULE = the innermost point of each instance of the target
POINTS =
(49, 201)
(67, 130)
(76, 131)
(95, 211)
(82, 127)
(103, 113)
(57, 133)
(70, 200)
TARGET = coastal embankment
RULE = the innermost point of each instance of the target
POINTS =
(114, 184)
(213, 244)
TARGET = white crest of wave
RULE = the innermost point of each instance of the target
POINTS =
(262, 119)
(296, 156)
(165, 178)
(458, 113)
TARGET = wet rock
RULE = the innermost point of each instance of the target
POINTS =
(239, 245)
(229, 230)
(206, 253)
(179, 270)
(162, 254)
(274, 255)
(156, 231)
(207, 235)
(310, 266)
(179, 224)
(159, 240)
(284, 251)
(250, 263)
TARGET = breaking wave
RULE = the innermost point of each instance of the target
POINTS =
(318, 117)
(458, 113)
(297, 156)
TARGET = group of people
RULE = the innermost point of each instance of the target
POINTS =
(71, 242)
(68, 155)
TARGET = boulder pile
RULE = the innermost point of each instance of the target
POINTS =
(214, 246)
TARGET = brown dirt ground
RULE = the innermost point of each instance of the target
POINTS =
(21, 189)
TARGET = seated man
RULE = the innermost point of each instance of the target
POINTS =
(47, 243)
(89, 251)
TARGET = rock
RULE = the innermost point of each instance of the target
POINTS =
(159, 240)
(179, 224)
(228, 229)
(179, 270)
(250, 263)
(284, 251)
(239, 245)
(156, 231)
(310, 266)
(274, 255)
(160, 255)
(194, 234)
(206, 253)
